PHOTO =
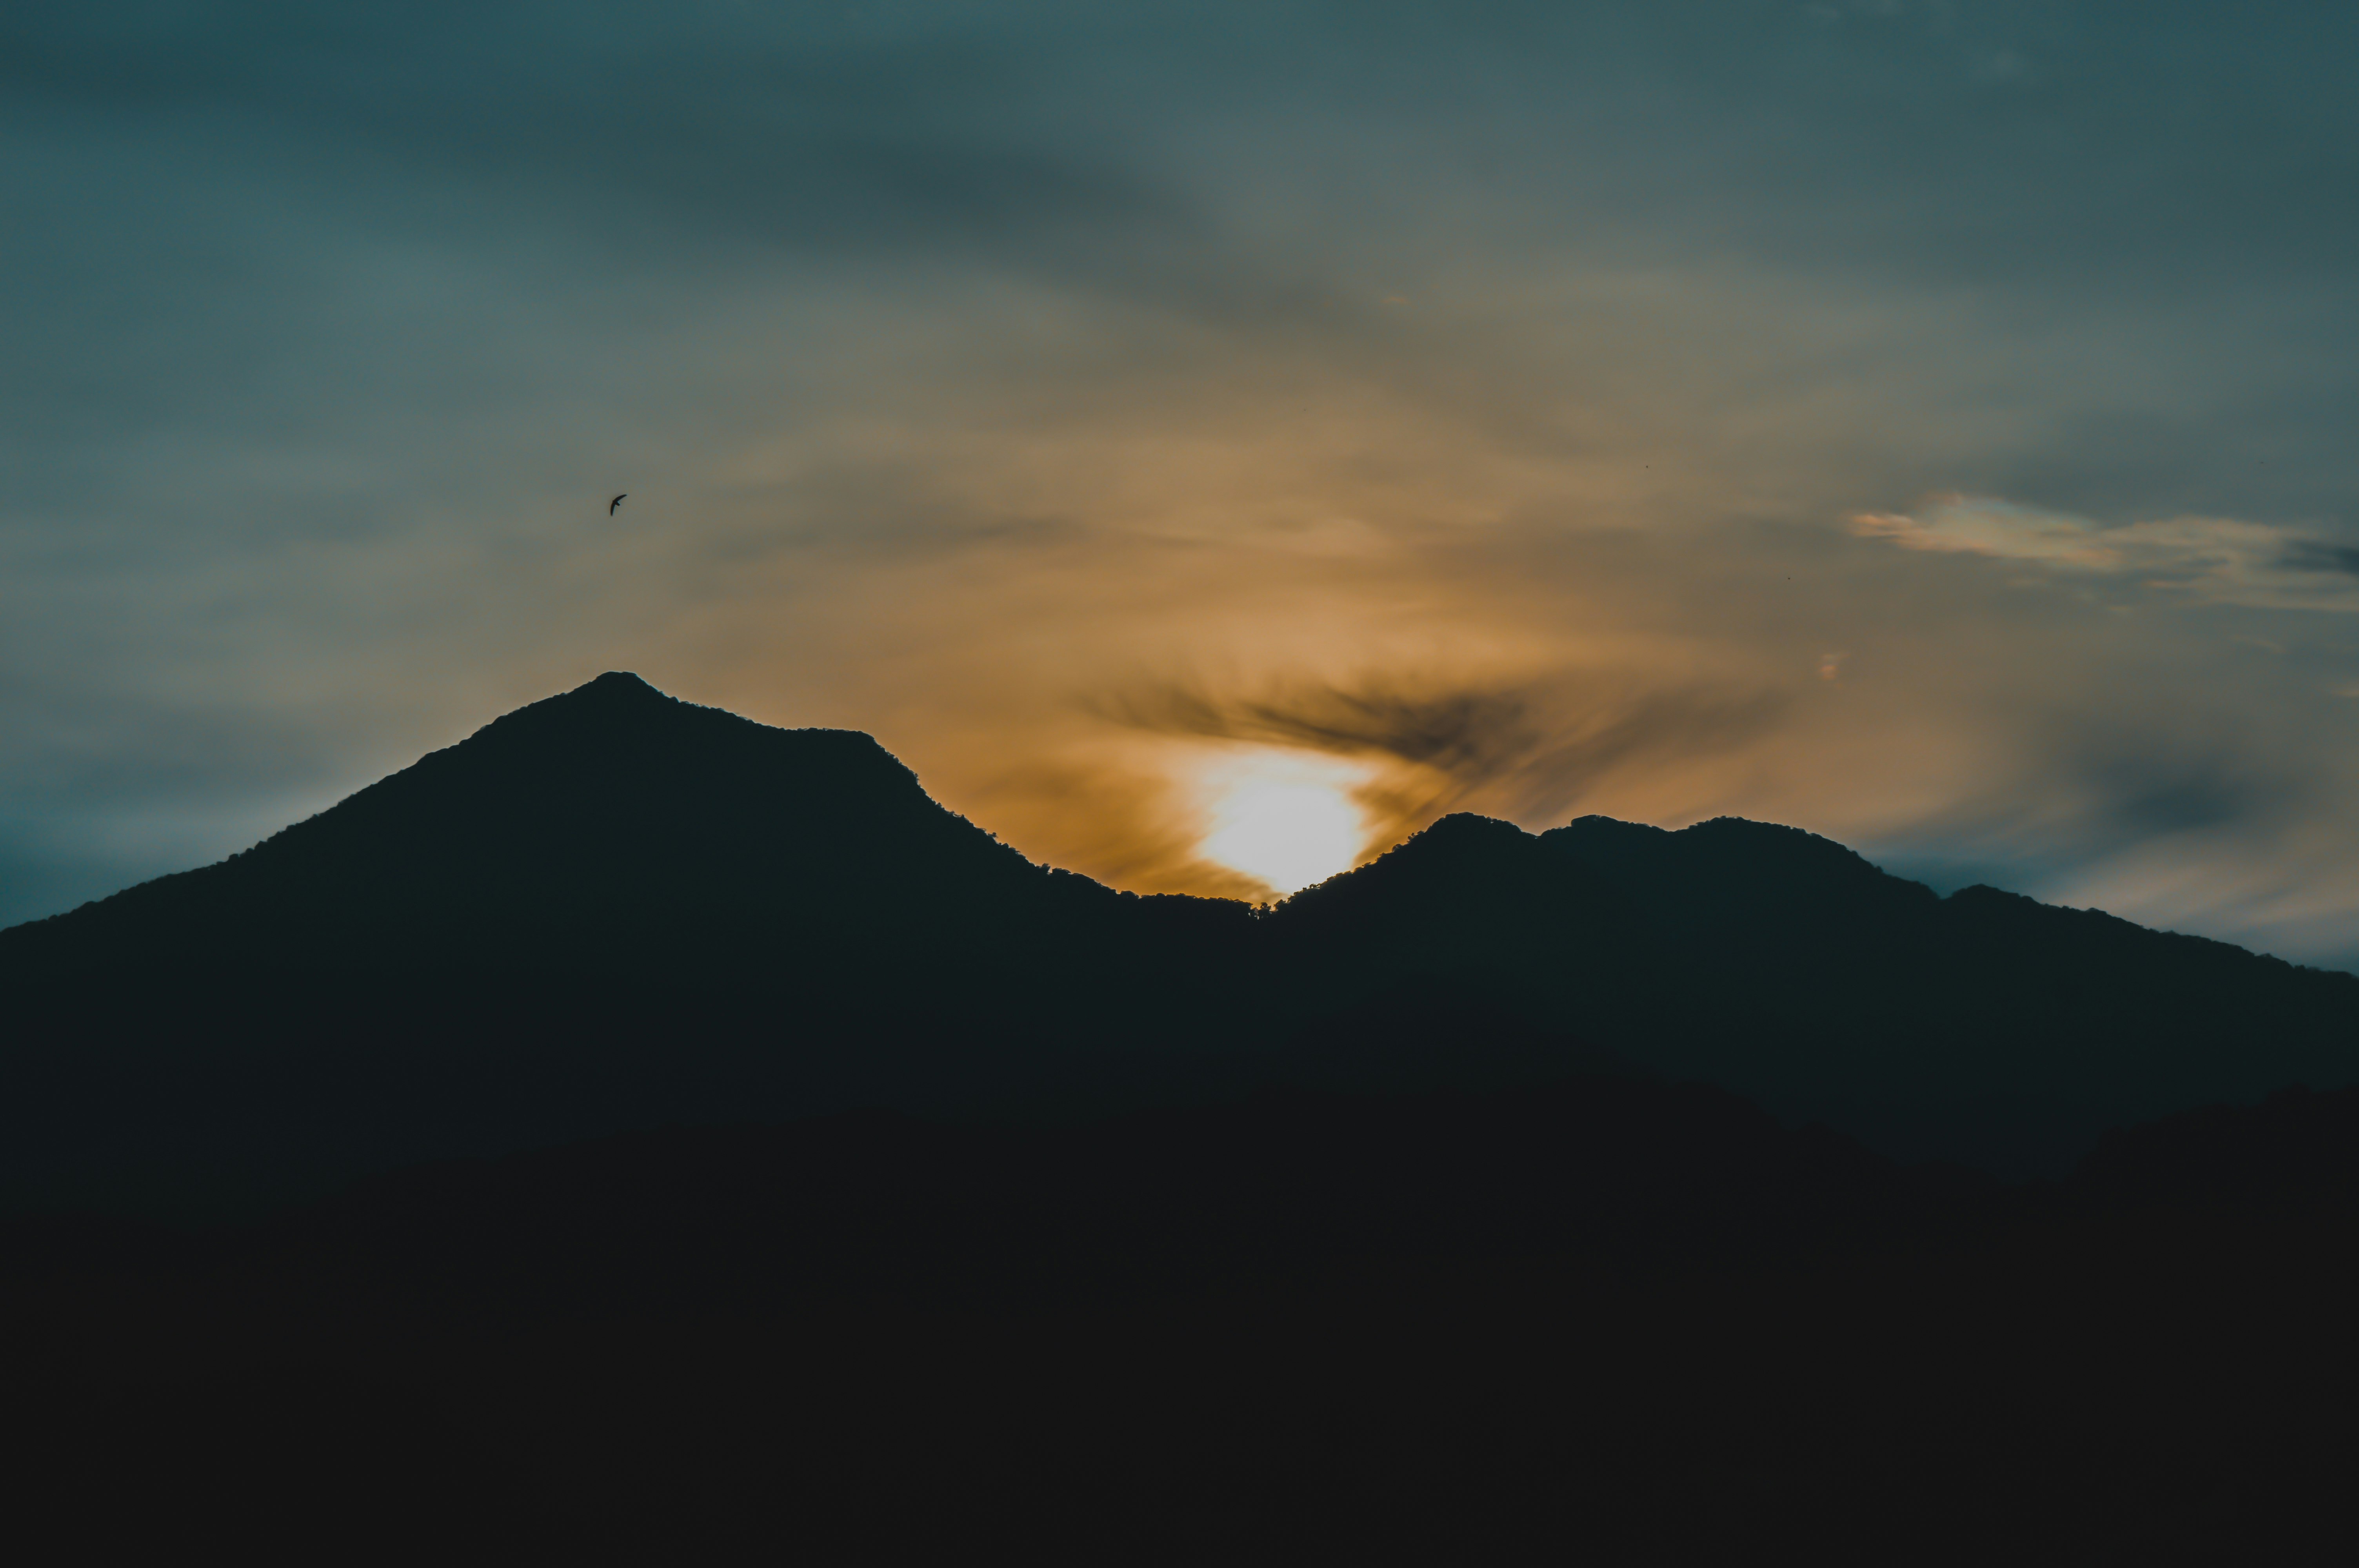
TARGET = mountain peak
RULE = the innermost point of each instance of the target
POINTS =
(1459, 841)
(1728, 851)
(617, 684)
(1467, 828)
(616, 696)
(610, 818)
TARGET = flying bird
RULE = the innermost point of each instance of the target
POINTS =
(614, 503)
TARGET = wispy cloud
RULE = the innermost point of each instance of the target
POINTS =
(2217, 560)
(1531, 750)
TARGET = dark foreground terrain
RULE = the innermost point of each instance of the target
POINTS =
(636, 1133)
(1600, 1321)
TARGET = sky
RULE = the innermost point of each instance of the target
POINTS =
(1928, 424)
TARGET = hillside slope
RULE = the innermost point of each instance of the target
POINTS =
(613, 909)
(608, 909)
(1985, 1026)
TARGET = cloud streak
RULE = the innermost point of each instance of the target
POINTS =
(2215, 561)
(1531, 751)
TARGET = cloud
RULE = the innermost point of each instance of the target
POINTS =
(2215, 560)
(1981, 527)
(1531, 750)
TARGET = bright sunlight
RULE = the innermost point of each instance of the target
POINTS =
(1286, 817)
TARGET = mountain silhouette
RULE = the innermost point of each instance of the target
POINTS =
(607, 909)
(600, 822)
(636, 1130)
(1985, 1026)
(613, 909)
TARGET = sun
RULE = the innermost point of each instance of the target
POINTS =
(1285, 818)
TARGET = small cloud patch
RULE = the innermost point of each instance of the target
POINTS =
(2216, 561)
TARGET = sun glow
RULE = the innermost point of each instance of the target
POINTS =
(1286, 818)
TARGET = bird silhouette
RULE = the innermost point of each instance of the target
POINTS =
(614, 503)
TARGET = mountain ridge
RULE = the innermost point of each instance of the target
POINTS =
(511, 775)
(611, 909)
